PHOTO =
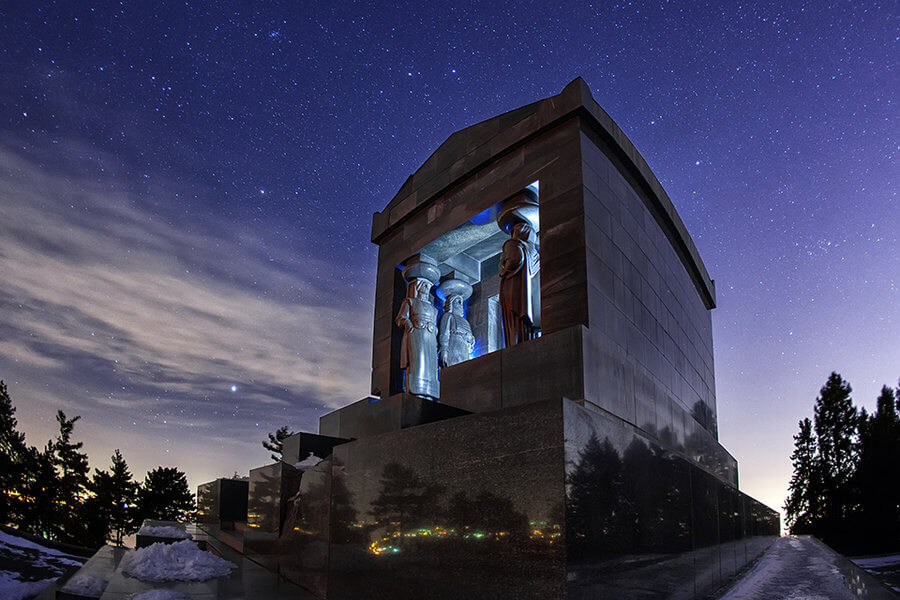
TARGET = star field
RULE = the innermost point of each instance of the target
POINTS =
(187, 189)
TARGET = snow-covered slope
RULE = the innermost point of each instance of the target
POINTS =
(26, 568)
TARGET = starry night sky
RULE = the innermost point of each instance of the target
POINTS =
(186, 194)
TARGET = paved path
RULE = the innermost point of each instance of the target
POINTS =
(802, 568)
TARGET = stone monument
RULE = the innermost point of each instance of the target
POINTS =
(555, 436)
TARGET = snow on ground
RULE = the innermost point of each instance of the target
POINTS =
(28, 567)
(886, 568)
(11, 540)
(85, 584)
(878, 562)
(11, 588)
(793, 569)
(308, 462)
(165, 531)
(181, 561)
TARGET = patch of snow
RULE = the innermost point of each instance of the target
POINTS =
(181, 561)
(11, 588)
(85, 584)
(161, 594)
(28, 567)
(165, 531)
(877, 562)
(310, 461)
(11, 540)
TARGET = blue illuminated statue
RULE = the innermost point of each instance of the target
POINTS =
(418, 318)
(455, 333)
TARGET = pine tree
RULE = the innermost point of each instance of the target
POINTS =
(13, 454)
(99, 509)
(40, 495)
(275, 445)
(824, 497)
(802, 504)
(124, 497)
(875, 487)
(69, 520)
(836, 426)
(112, 505)
(166, 496)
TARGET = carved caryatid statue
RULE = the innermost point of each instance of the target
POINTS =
(520, 291)
(418, 318)
(455, 332)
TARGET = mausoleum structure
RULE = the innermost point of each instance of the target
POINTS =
(542, 421)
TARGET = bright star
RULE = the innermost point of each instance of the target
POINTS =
(234, 388)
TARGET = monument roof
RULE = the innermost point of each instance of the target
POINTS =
(470, 149)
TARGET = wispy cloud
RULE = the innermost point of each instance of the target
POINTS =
(135, 311)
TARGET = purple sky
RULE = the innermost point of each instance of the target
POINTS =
(186, 199)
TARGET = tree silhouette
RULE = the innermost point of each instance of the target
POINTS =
(659, 501)
(802, 505)
(836, 422)
(39, 492)
(69, 519)
(165, 496)
(124, 497)
(404, 501)
(877, 490)
(488, 514)
(13, 460)
(597, 511)
(843, 489)
(343, 514)
(275, 445)
(111, 508)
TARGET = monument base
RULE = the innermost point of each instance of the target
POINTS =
(554, 499)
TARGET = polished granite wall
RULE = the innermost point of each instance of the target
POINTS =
(269, 492)
(642, 522)
(646, 314)
(222, 500)
(469, 507)
(555, 499)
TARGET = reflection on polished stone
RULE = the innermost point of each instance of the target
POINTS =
(222, 500)
(546, 500)
(271, 488)
(681, 531)
(462, 508)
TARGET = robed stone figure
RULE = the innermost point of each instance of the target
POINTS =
(519, 285)
(418, 350)
(455, 332)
